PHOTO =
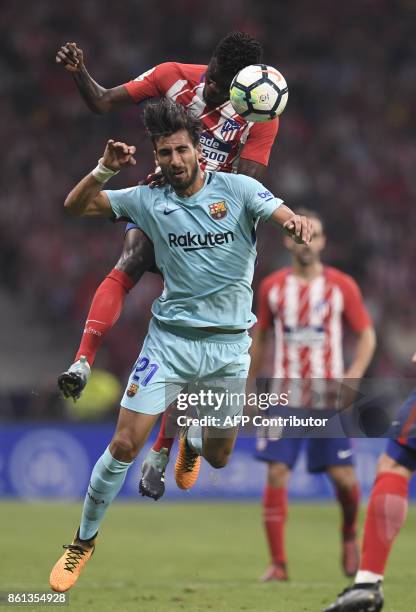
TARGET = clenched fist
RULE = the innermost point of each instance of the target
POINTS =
(71, 57)
(118, 155)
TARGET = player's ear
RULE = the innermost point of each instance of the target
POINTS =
(288, 242)
(199, 152)
(322, 242)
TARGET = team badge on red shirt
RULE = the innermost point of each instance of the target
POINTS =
(218, 210)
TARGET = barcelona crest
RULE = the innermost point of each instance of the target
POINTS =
(218, 210)
(132, 390)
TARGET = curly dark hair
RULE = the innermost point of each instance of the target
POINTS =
(237, 50)
(164, 117)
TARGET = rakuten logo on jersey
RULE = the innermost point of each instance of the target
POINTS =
(196, 242)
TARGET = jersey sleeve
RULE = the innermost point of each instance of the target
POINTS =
(260, 141)
(264, 314)
(153, 83)
(128, 204)
(260, 202)
(355, 311)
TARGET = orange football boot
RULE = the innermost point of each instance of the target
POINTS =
(187, 464)
(68, 568)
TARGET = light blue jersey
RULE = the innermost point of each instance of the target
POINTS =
(205, 247)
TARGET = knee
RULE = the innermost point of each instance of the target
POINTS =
(278, 475)
(388, 464)
(218, 459)
(385, 464)
(343, 477)
(123, 447)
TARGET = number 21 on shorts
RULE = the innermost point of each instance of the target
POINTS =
(143, 371)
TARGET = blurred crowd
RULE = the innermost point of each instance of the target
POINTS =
(346, 147)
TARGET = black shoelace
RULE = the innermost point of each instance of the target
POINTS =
(74, 556)
(190, 459)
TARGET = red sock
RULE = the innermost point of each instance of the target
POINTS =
(162, 441)
(274, 516)
(104, 312)
(386, 514)
(349, 500)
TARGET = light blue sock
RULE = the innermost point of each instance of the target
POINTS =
(107, 478)
(194, 438)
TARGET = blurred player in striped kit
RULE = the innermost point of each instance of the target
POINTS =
(228, 144)
(306, 304)
(386, 514)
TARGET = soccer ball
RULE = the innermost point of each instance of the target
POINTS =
(258, 93)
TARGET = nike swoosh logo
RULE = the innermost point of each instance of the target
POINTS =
(168, 212)
(344, 454)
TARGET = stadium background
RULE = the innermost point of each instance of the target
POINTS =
(346, 147)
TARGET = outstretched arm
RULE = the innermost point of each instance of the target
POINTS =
(98, 99)
(86, 199)
(297, 226)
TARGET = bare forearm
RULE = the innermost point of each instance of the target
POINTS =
(99, 99)
(92, 93)
(364, 351)
(82, 195)
(282, 214)
(86, 198)
(297, 226)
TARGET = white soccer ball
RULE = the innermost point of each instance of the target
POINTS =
(258, 93)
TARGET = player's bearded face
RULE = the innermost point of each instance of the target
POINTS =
(178, 159)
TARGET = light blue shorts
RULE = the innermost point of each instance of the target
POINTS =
(174, 362)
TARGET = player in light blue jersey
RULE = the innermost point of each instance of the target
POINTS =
(203, 230)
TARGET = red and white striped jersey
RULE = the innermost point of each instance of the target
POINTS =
(227, 137)
(308, 321)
